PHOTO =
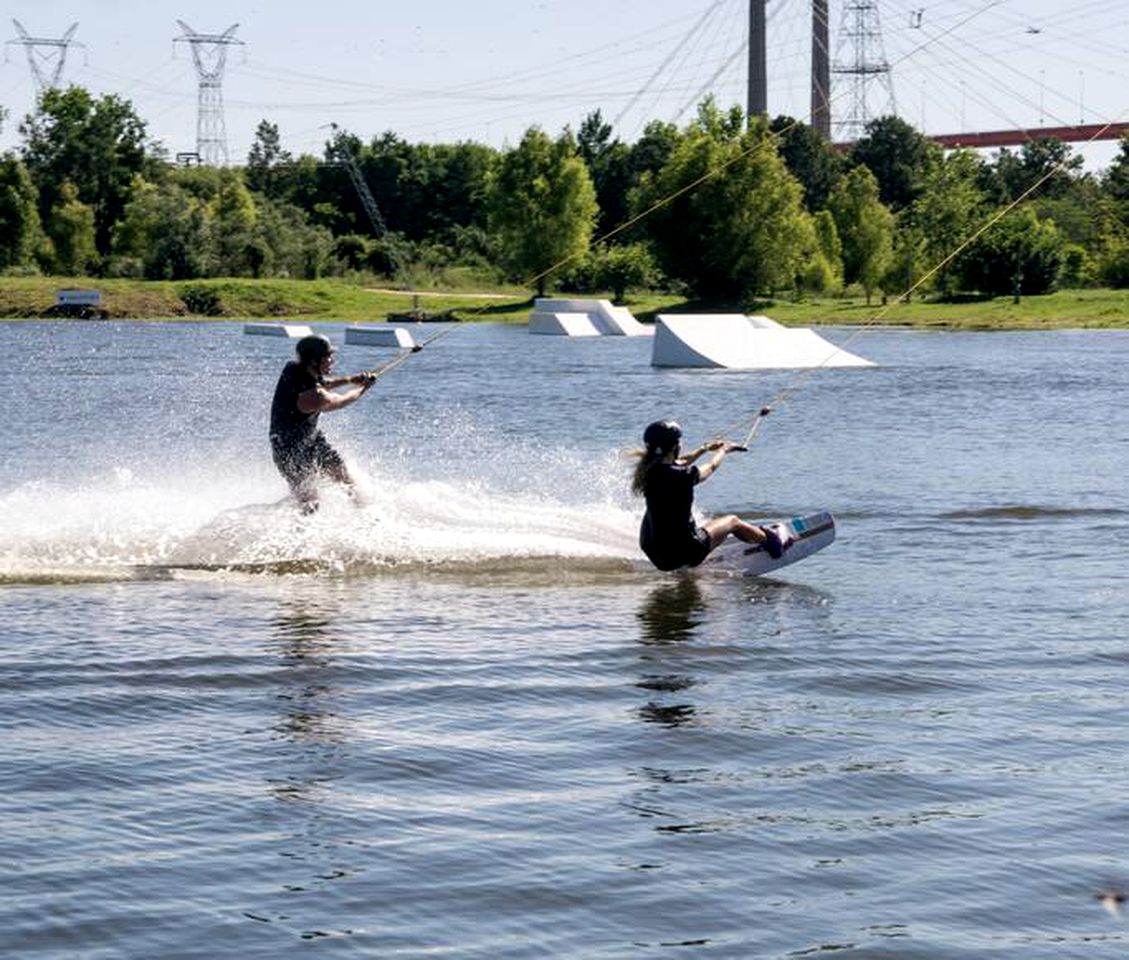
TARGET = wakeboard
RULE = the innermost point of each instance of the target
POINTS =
(810, 532)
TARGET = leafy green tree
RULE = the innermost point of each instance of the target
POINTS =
(823, 272)
(1019, 254)
(98, 146)
(1045, 163)
(71, 229)
(948, 212)
(908, 258)
(865, 227)
(455, 178)
(287, 244)
(1115, 181)
(21, 233)
(352, 250)
(810, 160)
(1078, 268)
(620, 267)
(899, 157)
(728, 218)
(166, 229)
(420, 189)
(652, 150)
(264, 160)
(609, 165)
(236, 246)
(542, 205)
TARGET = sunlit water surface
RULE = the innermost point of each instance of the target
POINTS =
(465, 720)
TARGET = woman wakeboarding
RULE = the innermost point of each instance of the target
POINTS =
(669, 535)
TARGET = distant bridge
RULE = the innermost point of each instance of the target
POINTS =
(1081, 133)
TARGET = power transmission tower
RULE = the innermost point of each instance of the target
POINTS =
(756, 100)
(209, 54)
(867, 68)
(52, 49)
(340, 154)
(820, 70)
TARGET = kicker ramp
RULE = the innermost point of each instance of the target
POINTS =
(742, 343)
(293, 331)
(382, 336)
(584, 318)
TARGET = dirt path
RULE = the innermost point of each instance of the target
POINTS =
(432, 293)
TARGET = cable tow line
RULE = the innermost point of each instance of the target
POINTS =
(797, 382)
(386, 368)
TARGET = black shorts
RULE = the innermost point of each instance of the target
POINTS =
(301, 463)
(684, 551)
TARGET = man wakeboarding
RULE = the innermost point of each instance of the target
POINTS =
(304, 391)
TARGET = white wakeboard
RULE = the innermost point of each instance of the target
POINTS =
(811, 532)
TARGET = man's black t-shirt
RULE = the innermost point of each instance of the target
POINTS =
(289, 426)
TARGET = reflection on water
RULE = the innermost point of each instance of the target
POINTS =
(672, 611)
(302, 633)
(671, 614)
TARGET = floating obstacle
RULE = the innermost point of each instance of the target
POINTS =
(382, 336)
(742, 343)
(295, 331)
(584, 318)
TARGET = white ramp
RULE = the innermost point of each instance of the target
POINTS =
(382, 336)
(584, 318)
(295, 331)
(562, 324)
(742, 343)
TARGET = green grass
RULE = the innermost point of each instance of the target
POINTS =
(353, 300)
(1070, 309)
(336, 300)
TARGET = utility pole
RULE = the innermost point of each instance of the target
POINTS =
(862, 31)
(55, 48)
(209, 54)
(340, 154)
(820, 70)
(758, 60)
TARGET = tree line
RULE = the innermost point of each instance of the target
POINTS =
(723, 209)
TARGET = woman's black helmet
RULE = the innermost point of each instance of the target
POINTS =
(662, 436)
(314, 348)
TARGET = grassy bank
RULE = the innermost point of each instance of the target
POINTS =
(351, 302)
(312, 300)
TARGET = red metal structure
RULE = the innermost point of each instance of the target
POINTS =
(1081, 133)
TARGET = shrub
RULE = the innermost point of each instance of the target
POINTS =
(202, 301)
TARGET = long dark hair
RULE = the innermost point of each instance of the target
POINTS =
(647, 459)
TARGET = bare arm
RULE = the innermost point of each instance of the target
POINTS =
(720, 448)
(687, 458)
(322, 399)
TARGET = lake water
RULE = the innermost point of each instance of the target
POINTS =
(465, 720)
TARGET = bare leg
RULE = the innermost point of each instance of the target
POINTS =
(306, 493)
(338, 473)
(719, 528)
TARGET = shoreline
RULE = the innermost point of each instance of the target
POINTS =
(349, 301)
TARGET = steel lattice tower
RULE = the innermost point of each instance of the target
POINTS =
(55, 48)
(868, 69)
(209, 54)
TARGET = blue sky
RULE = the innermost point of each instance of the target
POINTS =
(437, 70)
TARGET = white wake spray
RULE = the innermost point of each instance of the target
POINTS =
(531, 505)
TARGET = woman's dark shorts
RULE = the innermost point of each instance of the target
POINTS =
(688, 551)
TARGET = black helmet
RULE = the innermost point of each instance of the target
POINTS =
(662, 436)
(314, 348)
